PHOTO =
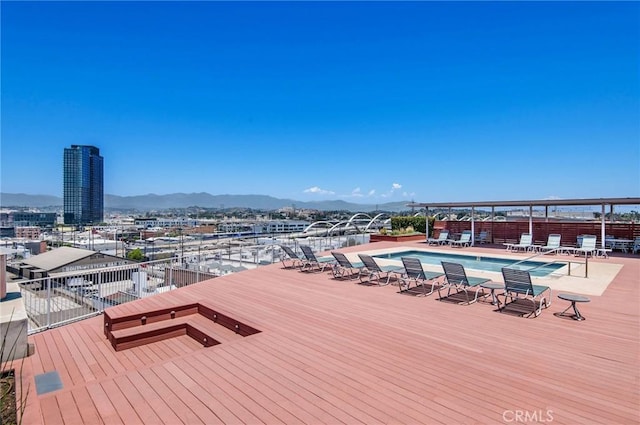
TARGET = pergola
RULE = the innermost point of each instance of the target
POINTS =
(546, 203)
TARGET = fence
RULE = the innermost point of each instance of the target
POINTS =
(510, 231)
(66, 297)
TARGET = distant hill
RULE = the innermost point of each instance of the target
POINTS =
(25, 200)
(204, 200)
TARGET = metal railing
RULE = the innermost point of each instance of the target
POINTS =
(66, 297)
(558, 250)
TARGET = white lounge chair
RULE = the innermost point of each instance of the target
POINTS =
(441, 239)
(465, 240)
(587, 246)
(525, 244)
(553, 244)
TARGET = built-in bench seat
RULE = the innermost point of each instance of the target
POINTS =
(199, 322)
(153, 332)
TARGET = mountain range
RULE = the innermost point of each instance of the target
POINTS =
(203, 200)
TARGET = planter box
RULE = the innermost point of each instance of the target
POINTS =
(398, 238)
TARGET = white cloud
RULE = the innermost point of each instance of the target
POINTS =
(394, 187)
(356, 193)
(319, 191)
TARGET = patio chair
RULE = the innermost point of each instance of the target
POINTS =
(465, 240)
(344, 267)
(636, 245)
(312, 262)
(375, 272)
(292, 258)
(587, 245)
(456, 278)
(517, 284)
(525, 244)
(609, 242)
(553, 244)
(441, 239)
(413, 271)
(482, 237)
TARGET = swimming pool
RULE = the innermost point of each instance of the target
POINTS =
(476, 262)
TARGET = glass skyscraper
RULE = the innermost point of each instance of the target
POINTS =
(83, 185)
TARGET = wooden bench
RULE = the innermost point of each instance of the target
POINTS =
(197, 321)
(146, 334)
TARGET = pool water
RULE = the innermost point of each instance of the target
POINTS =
(477, 262)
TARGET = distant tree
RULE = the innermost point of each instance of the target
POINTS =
(135, 255)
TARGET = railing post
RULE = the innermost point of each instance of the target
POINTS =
(100, 304)
(586, 265)
(48, 302)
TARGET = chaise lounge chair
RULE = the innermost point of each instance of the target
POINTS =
(482, 237)
(413, 271)
(456, 278)
(375, 272)
(517, 285)
(587, 245)
(525, 244)
(441, 239)
(312, 262)
(345, 268)
(293, 259)
(552, 246)
(465, 240)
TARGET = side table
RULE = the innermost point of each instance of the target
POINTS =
(493, 286)
(574, 299)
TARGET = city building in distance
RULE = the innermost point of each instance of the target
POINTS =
(83, 185)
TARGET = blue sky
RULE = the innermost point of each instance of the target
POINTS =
(369, 102)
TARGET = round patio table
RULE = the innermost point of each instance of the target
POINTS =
(493, 286)
(573, 298)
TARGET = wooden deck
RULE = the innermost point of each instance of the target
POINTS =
(335, 352)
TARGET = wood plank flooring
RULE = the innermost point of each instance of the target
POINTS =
(336, 352)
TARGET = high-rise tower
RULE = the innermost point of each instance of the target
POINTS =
(83, 185)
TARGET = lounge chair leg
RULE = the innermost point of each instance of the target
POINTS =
(466, 295)
(537, 308)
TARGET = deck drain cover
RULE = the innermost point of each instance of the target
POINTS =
(47, 382)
